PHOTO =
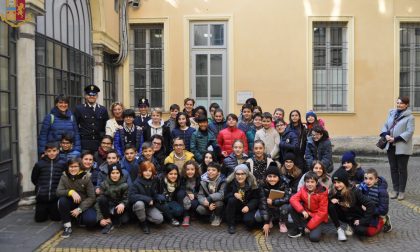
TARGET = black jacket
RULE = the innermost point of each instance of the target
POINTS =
(252, 194)
(143, 190)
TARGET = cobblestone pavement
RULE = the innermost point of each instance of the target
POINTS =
(405, 236)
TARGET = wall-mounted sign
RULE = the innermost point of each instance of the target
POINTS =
(242, 96)
(13, 12)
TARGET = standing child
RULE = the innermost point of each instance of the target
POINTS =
(246, 122)
(143, 197)
(309, 209)
(211, 194)
(296, 125)
(212, 108)
(171, 122)
(268, 134)
(67, 151)
(130, 162)
(76, 197)
(259, 163)
(111, 205)
(218, 123)
(227, 137)
(129, 134)
(236, 158)
(250, 134)
(156, 126)
(45, 176)
(182, 129)
(202, 140)
(190, 184)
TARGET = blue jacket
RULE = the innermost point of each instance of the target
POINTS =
(120, 140)
(288, 143)
(230, 162)
(379, 194)
(131, 167)
(67, 155)
(216, 127)
(184, 134)
(199, 143)
(54, 126)
(321, 150)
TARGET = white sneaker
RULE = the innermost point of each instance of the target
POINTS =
(349, 230)
(341, 234)
(216, 221)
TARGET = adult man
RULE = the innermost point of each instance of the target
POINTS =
(144, 116)
(91, 119)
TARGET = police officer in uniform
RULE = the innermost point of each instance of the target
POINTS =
(91, 119)
(144, 116)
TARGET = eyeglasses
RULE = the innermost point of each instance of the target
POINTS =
(178, 145)
(106, 143)
(240, 174)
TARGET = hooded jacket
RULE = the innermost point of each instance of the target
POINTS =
(379, 195)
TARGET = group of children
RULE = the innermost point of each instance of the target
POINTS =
(249, 172)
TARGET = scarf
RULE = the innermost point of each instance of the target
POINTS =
(213, 184)
(102, 153)
(170, 186)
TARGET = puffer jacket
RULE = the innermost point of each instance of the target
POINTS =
(302, 137)
(227, 136)
(115, 192)
(250, 137)
(315, 204)
(251, 191)
(144, 190)
(357, 177)
(200, 141)
(231, 161)
(70, 154)
(320, 150)
(216, 127)
(204, 193)
(288, 143)
(162, 190)
(45, 176)
(81, 184)
(280, 186)
(184, 134)
(379, 194)
(55, 126)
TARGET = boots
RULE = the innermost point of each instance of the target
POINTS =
(145, 227)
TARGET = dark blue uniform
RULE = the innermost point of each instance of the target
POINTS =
(142, 121)
(91, 122)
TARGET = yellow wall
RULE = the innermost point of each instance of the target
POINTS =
(269, 52)
(105, 24)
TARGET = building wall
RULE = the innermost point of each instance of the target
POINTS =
(269, 51)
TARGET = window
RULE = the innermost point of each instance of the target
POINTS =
(208, 68)
(330, 66)
(410, 63)
(109, 81)
(146, 64)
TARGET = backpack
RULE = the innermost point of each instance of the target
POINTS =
(52, 117)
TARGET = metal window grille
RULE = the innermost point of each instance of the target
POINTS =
(110, 93)
(147, 64)
(410, 63)
(330, 66)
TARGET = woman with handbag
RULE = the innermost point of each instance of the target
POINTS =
(398, 131)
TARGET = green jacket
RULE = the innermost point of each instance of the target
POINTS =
(80, 183)
(115, 192)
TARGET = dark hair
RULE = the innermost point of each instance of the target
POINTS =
(310, 175)
(189, 99)
(404, 99)
(177, 118)
(259, 141)
(279, 109)
(324, 170)
(257, 115)
(372, 171)
(290, 118)
(202, 108)
(74, 161)
(178, 138)
(67, 137)
(174, 106)
(192, 162)
(129, 112)
(266, 115)
(279, 120)
(51, 145)
(201, 118)
(233, 116)
(162, 141)
(259, 109)
(251, 101)
(112, 151)
(238, 140)
(214, 105)
(219, 110)
(318, 129)
(215, 165)
(130, 146)
(247, 106)
(87, 152)
(61, 97)
(203, 164)
(108, 137)
(170, 167)
(147, 145)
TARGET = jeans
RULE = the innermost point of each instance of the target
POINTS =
(108, 210)
(87, 217)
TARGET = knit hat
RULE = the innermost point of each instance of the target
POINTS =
(289, 156)
(342, 176)
(242, 167)
(310, 113)
(272, 169)
(112, 167)
(348, 156)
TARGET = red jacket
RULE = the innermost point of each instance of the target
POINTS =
(227, 136)
(315, 204)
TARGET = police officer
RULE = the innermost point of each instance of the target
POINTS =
(144, 116)
(91, 118)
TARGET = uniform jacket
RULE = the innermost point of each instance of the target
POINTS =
(227, 136)
(45, 176)
(91, 125)
(404, 129)
(81, 184)
(55, 126)
(142, 121)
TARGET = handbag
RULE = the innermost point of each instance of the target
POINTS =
(381, 143)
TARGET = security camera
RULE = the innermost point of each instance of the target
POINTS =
(134, 3)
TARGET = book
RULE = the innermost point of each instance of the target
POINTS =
(275, 194)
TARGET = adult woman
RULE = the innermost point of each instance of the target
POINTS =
(60, 121)
(398, 131)
(117, 120)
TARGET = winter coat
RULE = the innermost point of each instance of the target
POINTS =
(80, 183)
(46, 175)
(111, 127)
(131, 167)
(265, 189)
(204, 193)
(357, 178)
(301, 134)
(144, 190)
(149, 130)
(67, 155)
(251, 191)
(292, 182)
(188, 190)
(288, 143)
(245, 126)
(200, 141)
(378, 194)
(55, 126)
(170, 123)
(271, 139)
(250, 136)
(184, 134)
(320, 150)
(230, 162)
(164, 195)
(315, 204)
(158, 166)
(121, 139)
(115, 192)
(227, 136)
(94, 173)
(103, 174)
(402, 132)
(216, 127)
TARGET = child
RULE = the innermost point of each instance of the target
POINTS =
(202, 140)
(212, 108)
(296, 125)
(179, 155)
(171, 122)
(260, 162)
(323, 177)
(319, 147)
(353, 169)
(236, 158)
(143, 197)
(211, 194)
(309, 209)
(278, 114)
(182, 129)
(291, 172)
(218, 123)
(197, 112)
(156, 126)
(129, 134)
(190, 183)
(111, 158)
(147, 154)
(227, 136)
(312, 120)
(45, 176)
(67, 151)
(76, 197)
(104, 147)
(268, 134)
(130, 162)
(376, 189)
(349, 205)
(277, 209)
(90, 166)
(288, 142)
(250, 135)
(112, 203)
(209, 157)
(144, 117)
(242, 197)
(189, 106)
(169, 196)
(246, 123)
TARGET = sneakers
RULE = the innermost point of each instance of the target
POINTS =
(174, 222)
(295, 233)
(186, 221)
(231, 229)
(67, 232)
(387, 225)
(341, 234)
(393, 195)
(145, 227)
(283, 228)
(348, 231)
(400, 196)
(107, 229)
(216, 221)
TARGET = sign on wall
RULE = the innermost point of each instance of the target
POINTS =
(13, 12)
